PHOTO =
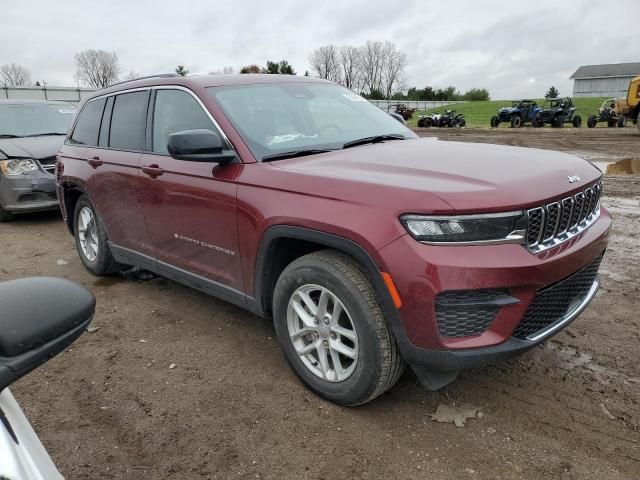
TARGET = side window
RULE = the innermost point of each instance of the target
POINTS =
(176, 111)
(128, 121)
(103, 139)
(88, 124)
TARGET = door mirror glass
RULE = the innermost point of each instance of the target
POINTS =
(198, 146)
(40, 318)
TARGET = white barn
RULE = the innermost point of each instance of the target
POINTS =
(609, 80)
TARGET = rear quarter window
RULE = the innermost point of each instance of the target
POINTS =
(88, 124)
(129, 121)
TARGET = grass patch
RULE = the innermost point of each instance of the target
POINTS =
(478, 114)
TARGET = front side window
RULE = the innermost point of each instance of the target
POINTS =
(129, 121)
(88, 124)
(176, 111)
(281, 117)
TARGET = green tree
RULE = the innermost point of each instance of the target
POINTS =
(180, 70)
(476, 94)
(282, 67)
(552, 93)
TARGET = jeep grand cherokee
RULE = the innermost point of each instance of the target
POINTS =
(300, 201)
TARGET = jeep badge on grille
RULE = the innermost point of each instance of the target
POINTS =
(573, 178)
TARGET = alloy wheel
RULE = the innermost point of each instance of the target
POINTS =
(322, 333)
(88, 234)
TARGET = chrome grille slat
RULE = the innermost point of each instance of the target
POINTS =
(556, 222)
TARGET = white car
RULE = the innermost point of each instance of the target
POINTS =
(30, 334)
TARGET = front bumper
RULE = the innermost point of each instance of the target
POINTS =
(422, 272)
(31, 192)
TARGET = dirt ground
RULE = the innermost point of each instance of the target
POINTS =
(111, 406)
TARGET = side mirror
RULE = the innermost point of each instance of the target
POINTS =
(398, 117)
(199, 146)
(40, 318)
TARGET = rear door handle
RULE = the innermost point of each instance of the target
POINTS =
(95, 162)
(153, 170)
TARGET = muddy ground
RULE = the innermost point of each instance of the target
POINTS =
(111, 406)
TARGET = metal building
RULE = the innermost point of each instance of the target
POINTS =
(609, 80)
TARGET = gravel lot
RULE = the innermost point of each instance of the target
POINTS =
(111, 406)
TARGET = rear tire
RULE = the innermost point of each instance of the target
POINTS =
(297, 306)
(428, 123)
(622, 122)
(4, 215)
(91, 240)
(421, 122)
(516, 121)
(611, 123)
(577, 121)
(557, 122)
(592, 121)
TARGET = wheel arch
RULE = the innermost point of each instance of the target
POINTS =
(72, 193)
(281, 244)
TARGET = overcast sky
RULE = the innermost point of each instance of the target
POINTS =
(513, 48)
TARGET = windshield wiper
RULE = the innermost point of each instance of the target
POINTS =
(45, 134)
(9, 135)
(374, 139)
(294, 154)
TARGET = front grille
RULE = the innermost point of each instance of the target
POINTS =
(553, 303)
(469, 312)
(556, 222)
(48, 164)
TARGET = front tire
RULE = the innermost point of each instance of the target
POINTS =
(91, 240)
(577, 121)
(332, 331)
(495, 121)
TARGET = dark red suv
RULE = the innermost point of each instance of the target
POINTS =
(300, 201)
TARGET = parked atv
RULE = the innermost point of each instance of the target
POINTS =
(404, 111)
(431, 120)
(452, 119)
(519, 113)
(556, 112)
(609, 113)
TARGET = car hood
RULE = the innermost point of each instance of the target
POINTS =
(470, 177)
(507, 109)
(31, 147)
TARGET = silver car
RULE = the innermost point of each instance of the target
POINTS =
(31, 133)
(31, 334)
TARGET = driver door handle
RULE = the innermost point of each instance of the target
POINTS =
(95, 162)
(153, 170)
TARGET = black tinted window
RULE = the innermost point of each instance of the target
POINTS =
(176, 111)
(103, 139)
(128, 121)
(86, 130)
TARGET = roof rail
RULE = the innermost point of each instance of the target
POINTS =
(159, 75)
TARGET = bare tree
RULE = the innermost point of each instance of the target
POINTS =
(132, 75)
(13, 75)
(325, 63)
(393, 67)
(224, 71)
(372, 63)
(97, 68)
(350, 66)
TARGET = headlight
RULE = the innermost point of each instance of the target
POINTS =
(17, 166)
(509, 227)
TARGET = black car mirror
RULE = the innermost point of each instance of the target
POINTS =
(40, 318)
(199, 146)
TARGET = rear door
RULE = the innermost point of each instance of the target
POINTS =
(190, 207)
(115, 183)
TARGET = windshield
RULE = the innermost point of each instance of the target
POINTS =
(30, 119)
(283, 117)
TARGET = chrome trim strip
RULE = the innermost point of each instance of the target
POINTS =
(418, 216)
(554, 233)
(554, 327)
(517, 236)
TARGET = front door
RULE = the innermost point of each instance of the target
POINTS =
(190, 207)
